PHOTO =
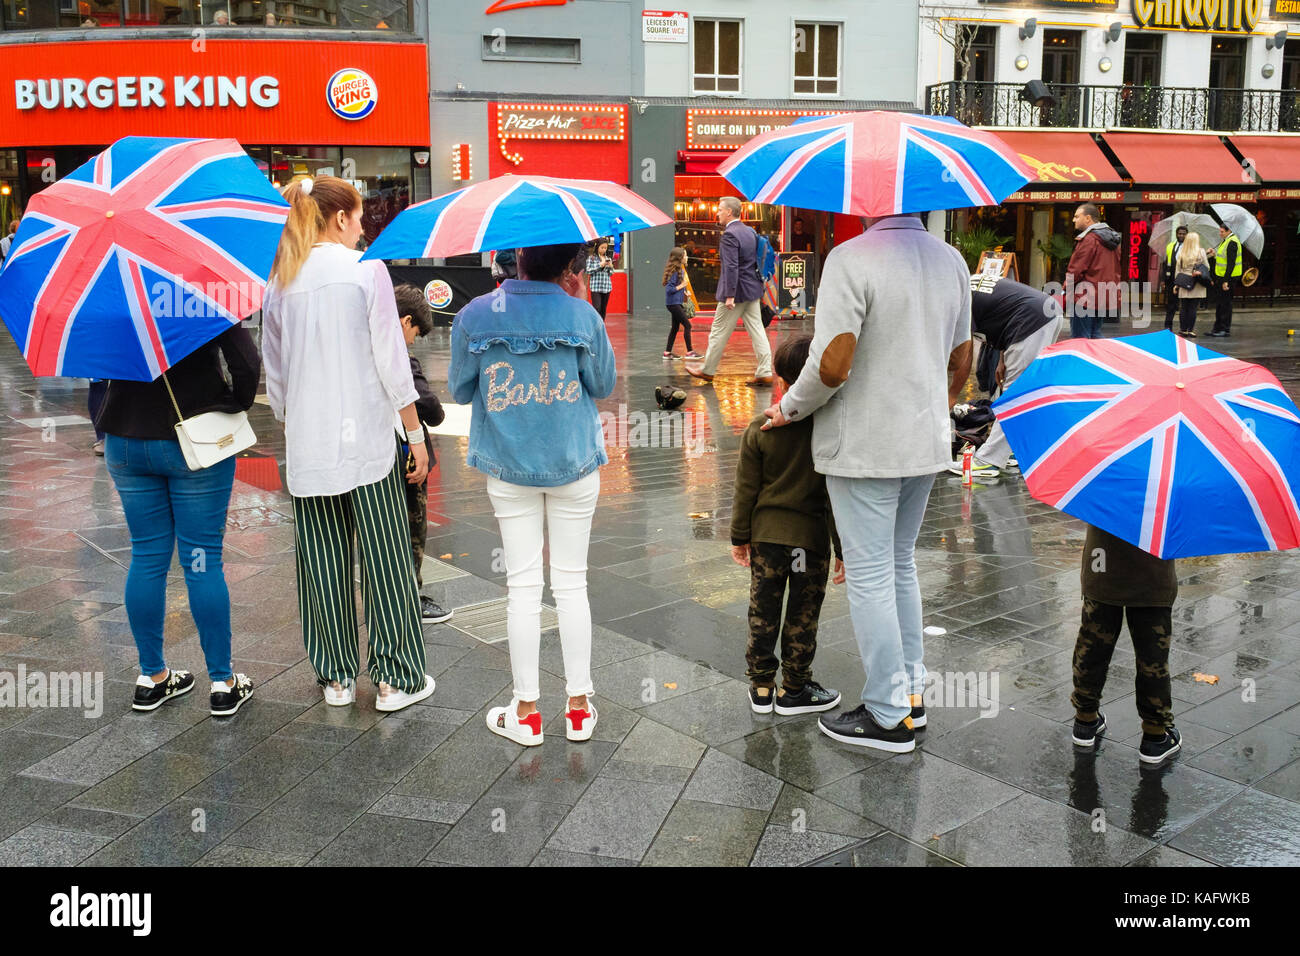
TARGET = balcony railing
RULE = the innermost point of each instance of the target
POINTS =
(1107, 107)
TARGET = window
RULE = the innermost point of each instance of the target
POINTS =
(717, 56)
(817, 58)
(978, 65)
(532, 49)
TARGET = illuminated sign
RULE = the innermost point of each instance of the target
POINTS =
(1279, 194)
(1223, 196)
(1069, 195)
(730, 129)
(556, 121)
(1286, 9)
(1219, 15)
(501, 6)
(1138, 230)
(352, 94)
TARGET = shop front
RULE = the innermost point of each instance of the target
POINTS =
(1274, 161)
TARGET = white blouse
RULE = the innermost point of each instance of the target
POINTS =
(336, 371)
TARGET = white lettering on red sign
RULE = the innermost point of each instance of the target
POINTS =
(145, 92)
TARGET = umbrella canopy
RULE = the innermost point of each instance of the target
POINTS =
(1172, 447)
(510, 212)
(1162, 233)
(134, 260)
(877, 163)
(1243, 223)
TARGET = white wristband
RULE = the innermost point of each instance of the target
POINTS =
(416, 436)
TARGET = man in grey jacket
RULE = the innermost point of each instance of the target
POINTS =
(893, 307)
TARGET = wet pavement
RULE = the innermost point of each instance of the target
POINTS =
(680, 771)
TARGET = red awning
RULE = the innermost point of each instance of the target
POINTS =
(1182, 159)
(1062, 160)
(1275, 158)
(702, 162)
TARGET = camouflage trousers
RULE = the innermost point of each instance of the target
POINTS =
(771, 567)
(1150, 628)
(417, 514)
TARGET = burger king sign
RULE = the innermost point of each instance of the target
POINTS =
(352, 94)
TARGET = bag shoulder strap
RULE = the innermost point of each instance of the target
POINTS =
(179, 417)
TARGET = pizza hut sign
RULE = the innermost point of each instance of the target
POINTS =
(554, 121)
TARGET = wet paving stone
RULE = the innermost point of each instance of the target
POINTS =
(706, 834)
(887, 849)
(1253, 829)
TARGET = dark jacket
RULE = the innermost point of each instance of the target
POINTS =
(144, 409)
(779, 498)
(427, 405)
(1116, 572)
(738, 277)
(1095, 260)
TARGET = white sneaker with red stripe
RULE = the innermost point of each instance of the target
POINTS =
(505, 722)
(579, 724)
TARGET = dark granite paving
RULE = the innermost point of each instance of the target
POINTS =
(680, 771)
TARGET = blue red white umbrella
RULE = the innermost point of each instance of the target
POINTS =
(510, 212)
(876, 163)
(134, 260)
(1175, 448)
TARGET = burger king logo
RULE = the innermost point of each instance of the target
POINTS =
(438, 294)
(352, 94)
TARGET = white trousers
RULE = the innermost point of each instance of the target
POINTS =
(567, 510)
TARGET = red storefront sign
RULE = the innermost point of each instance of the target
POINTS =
(731, 129)
(1066, 195)
(1240, 195)
(1138, 230)
(573, 140)
(255, 91)
(1291, 193)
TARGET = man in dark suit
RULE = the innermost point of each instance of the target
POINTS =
(1168, 270)
(739, 291)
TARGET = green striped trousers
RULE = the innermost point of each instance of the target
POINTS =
(324, 530)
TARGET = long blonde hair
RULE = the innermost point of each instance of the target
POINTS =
(308, 214)
(1189, 253)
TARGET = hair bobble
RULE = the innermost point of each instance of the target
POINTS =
(305, 185)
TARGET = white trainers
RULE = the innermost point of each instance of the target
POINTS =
(397, 699)
(505, 722)
(578, 724)
(344, 695)
(978, 469)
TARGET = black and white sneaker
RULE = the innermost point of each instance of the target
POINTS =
(431, 612)
(760, 703)
(226, 700)
(859, 728)
(918, 711)
(813, 699)
(1086, 734)
(151, 696)
(1158, 750)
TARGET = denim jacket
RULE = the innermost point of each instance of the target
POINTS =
(532, 360)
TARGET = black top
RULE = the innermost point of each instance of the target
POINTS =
(144, 409)
(427, 405)
(1004, 312)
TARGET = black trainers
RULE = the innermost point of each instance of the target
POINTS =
(431, 612)
(760, 703)
(226, 700)
(918, 712)
(813, 699)
(1085, 734)
(151, 696)
(1160, 749)
(859, 728)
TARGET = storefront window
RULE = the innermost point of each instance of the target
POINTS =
(89, 14)
(9, 188)
(698, 232)
(383, 175)
(288, 162)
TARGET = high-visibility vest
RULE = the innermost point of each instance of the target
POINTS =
(1169, 252)
(1221, 258)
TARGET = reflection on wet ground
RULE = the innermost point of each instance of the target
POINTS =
(680, 770)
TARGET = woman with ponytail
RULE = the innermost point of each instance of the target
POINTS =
(337, 375)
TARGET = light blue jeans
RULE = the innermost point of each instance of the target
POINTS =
(878, 520)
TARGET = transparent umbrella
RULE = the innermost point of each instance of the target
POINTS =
(1243, 223)
(1200, 223)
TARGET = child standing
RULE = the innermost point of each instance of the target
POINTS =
(782, 529)
(1121, 580)
(417, 320)
(676, 290)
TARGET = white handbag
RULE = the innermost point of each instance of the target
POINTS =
(212, 436)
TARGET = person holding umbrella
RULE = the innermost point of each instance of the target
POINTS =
(338, 376)
(1227, 275)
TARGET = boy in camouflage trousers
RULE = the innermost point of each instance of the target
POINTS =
(782, 530)
(1121, 580)
(417, 320)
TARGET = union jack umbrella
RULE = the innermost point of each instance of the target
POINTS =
(511, 212)
(134, 260)
(1172, 447)
(876, 163)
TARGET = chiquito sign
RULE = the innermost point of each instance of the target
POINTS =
(1217, 15)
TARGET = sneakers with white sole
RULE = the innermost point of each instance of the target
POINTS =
(226, 700)
(345, 694)
(505, 722)
(978, 469)
(397, 699)
(579, 724)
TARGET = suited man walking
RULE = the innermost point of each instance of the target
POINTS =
(739, 291)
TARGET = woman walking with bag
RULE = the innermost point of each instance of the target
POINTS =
(532, 367)
(338, 376)
(1193, 270)
(168, 504)
(680, 301)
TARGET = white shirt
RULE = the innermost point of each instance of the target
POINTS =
(336, 371)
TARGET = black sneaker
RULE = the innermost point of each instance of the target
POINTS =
(760, 703)
(918, 712)
(150, 696)
(1160, 749)
(1218, 335)
(1085, 734)
(431, 612)
(813, 699)
(226, 701)
(859, 728)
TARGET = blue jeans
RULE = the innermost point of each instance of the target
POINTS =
(166, 503)
(1085, 325)
(878, 521)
